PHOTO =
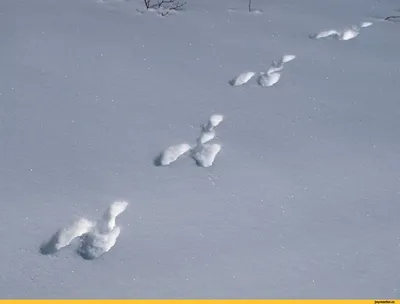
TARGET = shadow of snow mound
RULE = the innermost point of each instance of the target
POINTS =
(157, 160)
(50, 246)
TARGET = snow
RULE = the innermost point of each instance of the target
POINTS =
(94, 245)
(107, 222)
(287, 58)
(366, 24)
(206, 136)
(242, 78)
(302, 201)
(171, 154)
(346, 34)
(205, 155)
(65, 236)
(214, 121)
(349, 34)
(269, 80)
(96, 238)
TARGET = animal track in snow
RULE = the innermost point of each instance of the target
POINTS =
(268, 80)
(96, 238)
(241, 78)
(172, 153)
(107, 222)
(95, 244)
(264, 79)
(213, 122)
(203, 153)
(346, 34)
(65, 236)
(272, 76)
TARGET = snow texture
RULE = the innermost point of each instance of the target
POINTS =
(107, 223)
(96, 238)
(366, 24)
(241, 78)
(94, 244)
(269, 80)
(171, 154)
(206, 154)
(302, 201)
(64, 237)
(346, 34)
(214, 121)
(206, 136)
(200, 155)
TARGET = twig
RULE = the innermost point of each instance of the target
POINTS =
(391, 17)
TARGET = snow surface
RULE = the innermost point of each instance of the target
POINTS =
(269, 80)
(206, 136)
(205, 154)
(172, 153)
(96, 238)
(302, 201)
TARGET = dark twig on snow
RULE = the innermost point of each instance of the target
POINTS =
(390, 18)
(147, 3)
(168, 5)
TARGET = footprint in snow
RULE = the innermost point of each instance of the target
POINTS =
(171, 154)
(346, 34)
(241, 78)
(264, 79)
(95, 238)
(203, 152)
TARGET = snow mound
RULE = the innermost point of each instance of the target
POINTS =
(242, 78)
(346, 34)
(349, 34)
(65, 236)
(95, 244)
(265, 79)
(206, 136)
(107, 223)
(203, 153)
(206, 155)
(273, 69)
(214, 121)
(366, 24)
(96, 238)
(287, 58)
(325, 34)
(269, 80)
(172, 153)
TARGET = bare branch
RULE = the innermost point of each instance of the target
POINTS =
(179, 6)
(168, 5)
(392, 18)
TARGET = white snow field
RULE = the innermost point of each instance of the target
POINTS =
(302, 201)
